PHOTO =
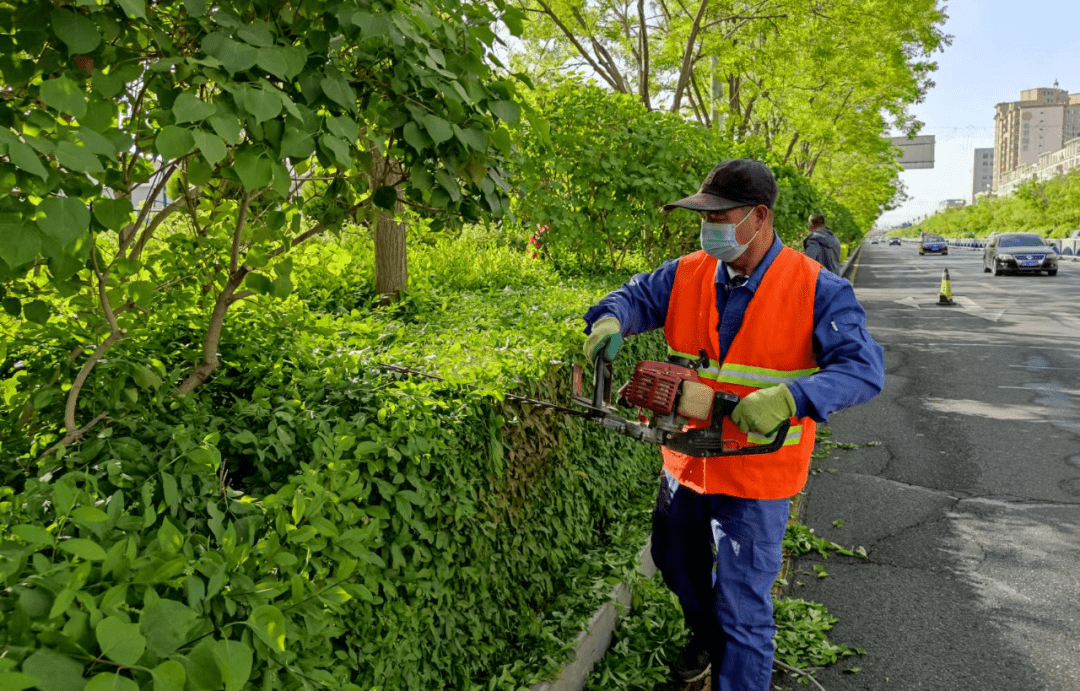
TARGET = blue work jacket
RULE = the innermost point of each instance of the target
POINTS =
(852, 366)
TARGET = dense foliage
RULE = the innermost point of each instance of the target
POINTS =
(310, 521)
(250, 135)
(820, 85)
(598, 167)
(1048, 207)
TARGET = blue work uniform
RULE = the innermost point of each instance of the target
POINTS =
(721, 554)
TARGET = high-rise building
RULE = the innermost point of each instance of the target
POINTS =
(982, 172)
(1041, 121)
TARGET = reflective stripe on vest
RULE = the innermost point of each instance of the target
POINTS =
(774, 345)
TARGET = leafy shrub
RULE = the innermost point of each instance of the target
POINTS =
(306, 519)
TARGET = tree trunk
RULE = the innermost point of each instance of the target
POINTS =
(391, 259)
(391, 256)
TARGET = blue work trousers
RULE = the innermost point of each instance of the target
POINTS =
(721, 555)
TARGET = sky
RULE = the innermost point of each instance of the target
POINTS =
(998, 50)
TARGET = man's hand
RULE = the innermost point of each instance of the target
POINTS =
(606, 336)
(764, 410)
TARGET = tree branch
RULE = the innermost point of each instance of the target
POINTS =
(241, 219)
(580, 49)
(643, 37)
(684, 71)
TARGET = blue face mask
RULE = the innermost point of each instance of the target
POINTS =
(719, 241)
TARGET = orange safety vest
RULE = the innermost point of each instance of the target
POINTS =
(774, 345)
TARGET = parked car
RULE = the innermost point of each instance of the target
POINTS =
(1019, 253)
(933, 244)
(894, 241)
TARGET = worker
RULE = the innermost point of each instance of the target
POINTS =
(788, 338)
(820, 243)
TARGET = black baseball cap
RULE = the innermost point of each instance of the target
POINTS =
(735, 182)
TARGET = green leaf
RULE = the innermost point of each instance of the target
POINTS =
(195, 8)
(201, 666)
(345, 127)
(253, 168)
(262, 103)
(77, 158)
(259, 283)
(256, 34)
(95, 143)
(78, 32)
(120, 641)
(169, 676)
(227, 126)
(337, 150)
(438, 129)
(37, 311)
(54, 672)
(275, 61)
(136, 9)
(65, 219)
(61, 603)
(169, 537)
(64, 95)
(297, 144)
(110, 681)
(145, 377)
(211, 146)
(24, 158)
(339, 91)
(89, 515)
(174, 142)
(16, 681)
(81, 547)
(416, 137)
(13, 306)
(234, 660)
(385, 198)
(190, 108)
(166, 624)
(114, 214)
(234, 56)
(268, 623)
(472, 138)
(507, 111)
(34, 534)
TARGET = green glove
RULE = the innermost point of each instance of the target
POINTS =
(764, 410)
(606, 335)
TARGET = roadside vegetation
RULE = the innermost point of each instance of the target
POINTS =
(1050, 208)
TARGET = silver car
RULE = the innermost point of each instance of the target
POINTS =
(1019, 253)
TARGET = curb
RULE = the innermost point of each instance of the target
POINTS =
(594, 641)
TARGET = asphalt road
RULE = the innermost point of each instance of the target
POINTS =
(969, 506)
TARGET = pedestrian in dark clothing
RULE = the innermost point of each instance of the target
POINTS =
(821, 245)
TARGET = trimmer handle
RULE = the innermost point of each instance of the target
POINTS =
(603, 373)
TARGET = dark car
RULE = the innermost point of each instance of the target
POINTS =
(1019, 253)
(933, 244)
(894, 241)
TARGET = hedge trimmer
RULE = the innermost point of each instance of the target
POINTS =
(672, 392)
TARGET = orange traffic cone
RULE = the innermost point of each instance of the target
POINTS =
(945, 294)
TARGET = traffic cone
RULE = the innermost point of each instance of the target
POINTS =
(945, 297)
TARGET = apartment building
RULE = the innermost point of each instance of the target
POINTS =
(1042, 121)
(982, 172)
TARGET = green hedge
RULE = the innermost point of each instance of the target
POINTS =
(307, 520)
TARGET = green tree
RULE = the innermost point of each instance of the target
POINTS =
(261, 125)
(818, 85)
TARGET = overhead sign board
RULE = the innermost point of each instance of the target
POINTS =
(915, 153)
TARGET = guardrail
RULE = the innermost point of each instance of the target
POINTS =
(1065, 247)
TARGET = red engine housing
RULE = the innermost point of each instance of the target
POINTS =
(654, 386)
